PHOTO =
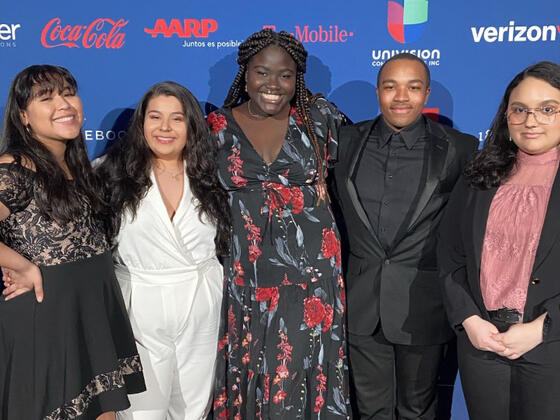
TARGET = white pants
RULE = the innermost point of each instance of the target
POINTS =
(176, 330)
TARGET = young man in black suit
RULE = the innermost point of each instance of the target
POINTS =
(392, 181)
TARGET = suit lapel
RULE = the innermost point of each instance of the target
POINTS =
(355, 154)
(551, 225)
(436, 159)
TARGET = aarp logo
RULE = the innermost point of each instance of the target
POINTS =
(407, 19)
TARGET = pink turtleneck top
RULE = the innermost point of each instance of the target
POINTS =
(513, 230)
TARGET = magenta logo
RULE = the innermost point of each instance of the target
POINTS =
(407, 19)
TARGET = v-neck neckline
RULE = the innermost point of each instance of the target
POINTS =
(162, 201)
(253, 148)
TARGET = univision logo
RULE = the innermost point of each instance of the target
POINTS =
(407, 19)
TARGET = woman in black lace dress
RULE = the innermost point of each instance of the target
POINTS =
(67, 350)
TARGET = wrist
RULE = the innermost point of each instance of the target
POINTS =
(470, 320)
(29, 267)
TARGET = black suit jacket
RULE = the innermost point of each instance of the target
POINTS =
(461, 239)
(399, 287)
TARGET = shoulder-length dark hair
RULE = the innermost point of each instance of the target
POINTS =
(54, 194)
(494, 163)
(125, 170)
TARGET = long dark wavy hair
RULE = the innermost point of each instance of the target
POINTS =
(494, 163)
(125, 169)
(302, 99)
(56, 196)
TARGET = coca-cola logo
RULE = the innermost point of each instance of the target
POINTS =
(101, 33)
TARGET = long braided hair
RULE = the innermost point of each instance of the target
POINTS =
(302, 98)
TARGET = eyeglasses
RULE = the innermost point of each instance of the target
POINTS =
(543, 114)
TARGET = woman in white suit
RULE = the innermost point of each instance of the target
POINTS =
(169, 220)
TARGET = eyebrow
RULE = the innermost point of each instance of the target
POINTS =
(268, 68)
(48, 89)
(408, 81)
(542, 102)
(159, 112)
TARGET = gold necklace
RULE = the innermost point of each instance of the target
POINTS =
(173, 176)
(256, 116)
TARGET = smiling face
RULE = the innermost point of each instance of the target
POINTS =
(53, 115)
(531, 136)
(402, 92)
(165, 127)
(271, 81)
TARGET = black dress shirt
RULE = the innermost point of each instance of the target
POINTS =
(390, 173)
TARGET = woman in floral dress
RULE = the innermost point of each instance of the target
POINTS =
(282, 340)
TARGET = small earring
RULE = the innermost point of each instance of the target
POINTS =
(510, 139)
(245, 88)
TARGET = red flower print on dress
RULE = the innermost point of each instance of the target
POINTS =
(253, 235)
(279, 397)
(282, 371)
(295, 115)
(254, 253)
(220, 400)
(247, 340)
(327, 321)
(232, 328)
(224, 414)
(321, 380)
(216, 122)
(285, 349)
(246, 358)
(236, 167)
(278, 196)
(238, 280)
(297, 200)
(262, 294)
(313, 311)
(222, 343)
(330, 247)
(266, 388)
(321, 387)
(342, 294)
(319, 402)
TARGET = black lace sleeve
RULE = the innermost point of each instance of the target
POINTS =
(16, 187)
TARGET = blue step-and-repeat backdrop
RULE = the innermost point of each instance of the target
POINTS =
(117, 49)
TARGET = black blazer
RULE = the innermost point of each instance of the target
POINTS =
(399, 287)
(460, 250)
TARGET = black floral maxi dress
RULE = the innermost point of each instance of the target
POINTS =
(73, 356)
(281, 351)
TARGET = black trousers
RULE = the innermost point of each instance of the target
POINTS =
(392, 381)
(497, 388)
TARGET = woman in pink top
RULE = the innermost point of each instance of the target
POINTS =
(499, 251)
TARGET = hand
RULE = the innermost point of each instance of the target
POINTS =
(482, 334)
(520, 338)
(18, 282)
